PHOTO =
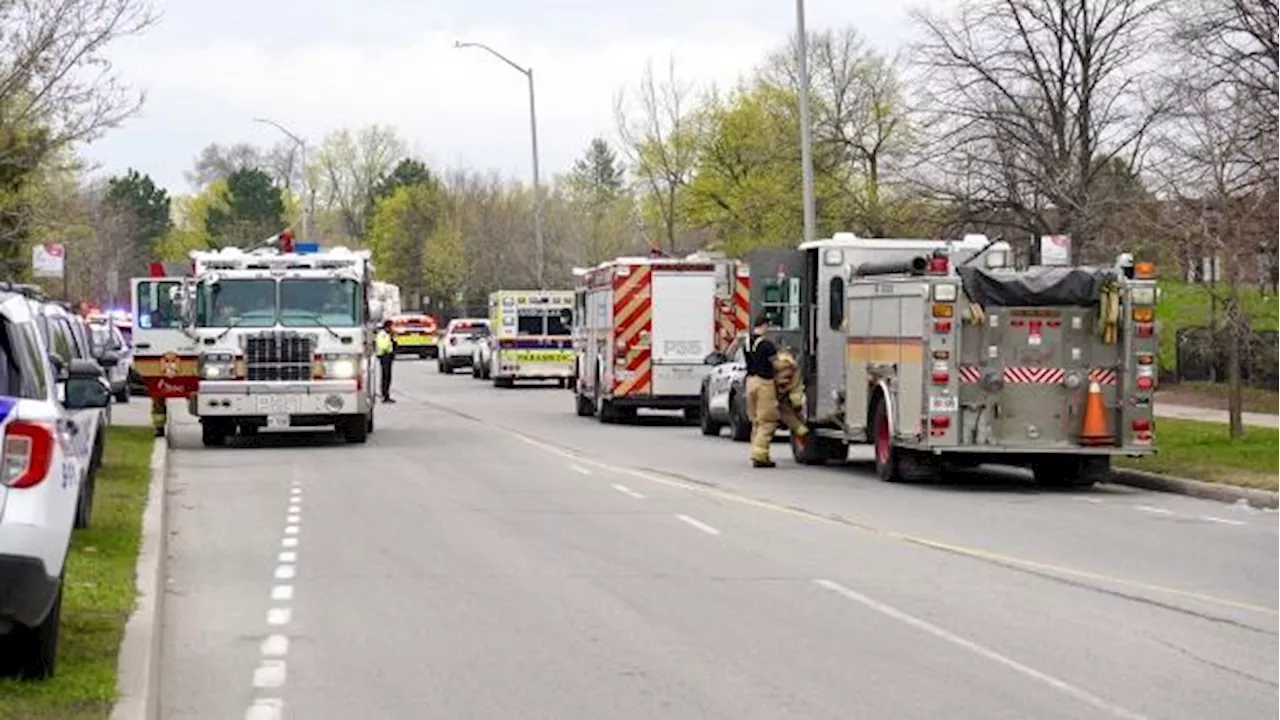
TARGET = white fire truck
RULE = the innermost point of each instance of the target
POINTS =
(285, 340)
(937, 353)
(644, 326)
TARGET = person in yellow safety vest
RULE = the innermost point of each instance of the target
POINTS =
(385, 347)
(763, 406)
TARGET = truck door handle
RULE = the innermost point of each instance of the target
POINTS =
(142, 346)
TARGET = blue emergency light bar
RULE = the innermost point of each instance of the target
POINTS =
(306, 248)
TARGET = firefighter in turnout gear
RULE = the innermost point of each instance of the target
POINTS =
(767, 369)
(385, 347)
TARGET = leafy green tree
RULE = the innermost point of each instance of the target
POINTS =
(22, 151)
(146, 204)
(416, 242)
(597, 193)
(253, 210)
(407, 172)
(597, 176)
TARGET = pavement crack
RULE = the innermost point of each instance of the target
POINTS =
(1099, 589)
(1212, 663)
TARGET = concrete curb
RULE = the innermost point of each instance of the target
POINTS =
(138, 670)
(1195, 488)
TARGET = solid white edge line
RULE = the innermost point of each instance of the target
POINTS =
(579, 469)
(698, 524)
(1222, 520)
(1152, 510)
(627, 491)
(1053, 682)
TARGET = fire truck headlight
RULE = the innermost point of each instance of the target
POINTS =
(341, 369)
(218, 366)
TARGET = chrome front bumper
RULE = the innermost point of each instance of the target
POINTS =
(229, 398)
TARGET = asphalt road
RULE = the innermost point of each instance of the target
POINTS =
(490, 555)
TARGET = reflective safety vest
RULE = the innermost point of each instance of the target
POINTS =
(382, 343)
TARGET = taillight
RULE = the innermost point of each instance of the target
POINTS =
(620, 348)
(1144, 330)
(942, 327)
(1146, 382)
(1142, 425)
(939, 422)
(941, 377)
(28, 452)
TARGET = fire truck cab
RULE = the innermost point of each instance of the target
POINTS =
(938, 353)
(285, 340)
(643, 328)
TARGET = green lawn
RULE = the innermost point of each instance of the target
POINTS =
(99, 593)
(1203, 451)
(1184, 305)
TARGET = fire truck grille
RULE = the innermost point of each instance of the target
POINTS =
(278, 356)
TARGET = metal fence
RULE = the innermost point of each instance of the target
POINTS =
(1202, 357)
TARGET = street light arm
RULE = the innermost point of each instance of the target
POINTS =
(282, 129)
(523, 70)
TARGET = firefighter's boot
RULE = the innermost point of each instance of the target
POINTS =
(159, 415)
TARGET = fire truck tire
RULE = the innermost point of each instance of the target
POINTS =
(354, 429)
(895, 464)
(584, 406)
(213, 433)
(692, 414)
(424, 355)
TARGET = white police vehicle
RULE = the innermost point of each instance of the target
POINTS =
(724, 393)
(110, 342)
(457, 348)
(41, 476)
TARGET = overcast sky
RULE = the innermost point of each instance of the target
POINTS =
(315, 65)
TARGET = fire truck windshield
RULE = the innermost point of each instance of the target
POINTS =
(307, 302)
(238, 303)
(304, 302)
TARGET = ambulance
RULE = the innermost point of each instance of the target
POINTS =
(532, 337)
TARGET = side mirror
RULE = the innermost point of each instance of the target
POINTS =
(83, 370)
(83, 393)
(109, 358)
(715, 358)
(59, 366)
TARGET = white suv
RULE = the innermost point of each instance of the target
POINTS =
(457, 348)
(41, 474)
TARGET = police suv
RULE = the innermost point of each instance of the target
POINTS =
(41, 478)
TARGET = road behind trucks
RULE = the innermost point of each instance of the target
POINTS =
(936, 353)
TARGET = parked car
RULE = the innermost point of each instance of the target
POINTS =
(68, 338)
(724, 393)
(40, 484)
(109, 341)
(457, 347)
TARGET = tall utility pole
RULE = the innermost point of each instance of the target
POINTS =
(306, 200)
(806, 134)
(533, 135)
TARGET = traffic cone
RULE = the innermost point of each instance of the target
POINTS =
(1093, 429)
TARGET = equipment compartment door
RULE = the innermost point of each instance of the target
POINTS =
(683, 330)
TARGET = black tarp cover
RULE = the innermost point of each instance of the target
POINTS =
(1034, 287)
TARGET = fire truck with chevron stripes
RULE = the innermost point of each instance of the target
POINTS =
(644, 326)
(939, 354)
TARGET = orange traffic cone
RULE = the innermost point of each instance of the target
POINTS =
(1093, 429)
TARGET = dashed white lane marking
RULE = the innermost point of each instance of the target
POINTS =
(285, 572)
(288, 556)
(270, 674)
(1053, 682)
(275, 646)
(289, 542)
(291, 530)
(627, 491)
(265, 709)
(293, 519)
(282, 592)
(1224, 521)
(279, 616)
(698, 524)
(1152, 510)
(579, 469)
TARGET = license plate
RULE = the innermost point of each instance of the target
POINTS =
(943, 403)
(279, 405)
(276, 422)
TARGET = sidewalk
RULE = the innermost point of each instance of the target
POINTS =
(1187, 412)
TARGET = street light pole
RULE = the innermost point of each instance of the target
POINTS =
(533, 135)
(806, 136)
(302, 147)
